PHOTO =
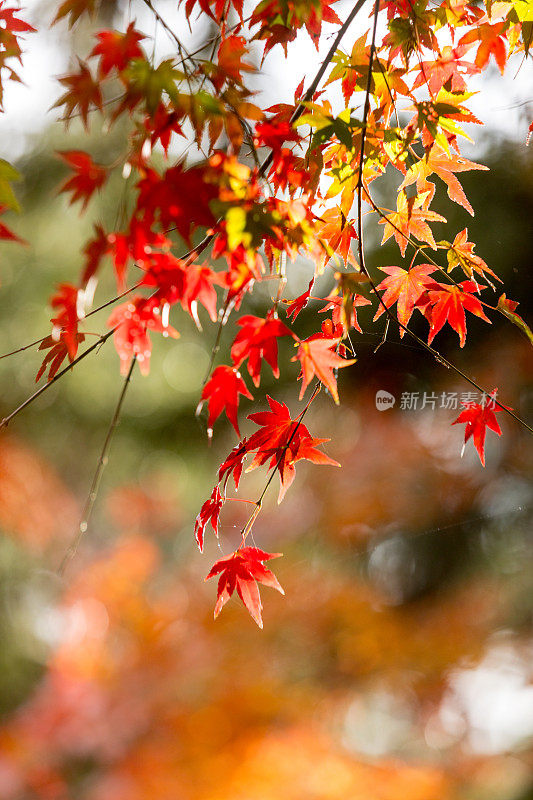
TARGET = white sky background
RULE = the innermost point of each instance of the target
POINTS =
(505, 105)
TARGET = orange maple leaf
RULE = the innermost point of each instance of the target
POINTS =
(438, 162)
(318, 357)
(410, 219)
(404, 287)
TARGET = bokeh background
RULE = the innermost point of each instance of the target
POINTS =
(399, 664)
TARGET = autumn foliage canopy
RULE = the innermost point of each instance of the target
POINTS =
(258, 188)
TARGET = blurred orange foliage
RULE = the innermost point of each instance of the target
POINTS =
(349, 692)
(35, 505)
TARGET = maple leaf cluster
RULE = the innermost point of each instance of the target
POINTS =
(290, 181)
(280, 443)
(12, 30)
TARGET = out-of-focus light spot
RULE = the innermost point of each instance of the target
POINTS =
(378, 723)
(390, 566)
(185, 366)
(87, 618)
(495, 699)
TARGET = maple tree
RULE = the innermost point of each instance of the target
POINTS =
(267, 186)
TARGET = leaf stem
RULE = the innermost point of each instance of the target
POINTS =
(259, 502)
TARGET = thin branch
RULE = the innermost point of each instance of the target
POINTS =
(181, 48)
(114, 299)
(21, 349)
(90, 110)
(216, 347)
(89, 314)
(299, 110)
(102, 461)
(5, 422)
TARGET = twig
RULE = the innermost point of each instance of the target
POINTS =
(181, 48)
(21, 349)
(216, 347)
(5, 422)
(102, 461)
(299, 110)
(89, 314)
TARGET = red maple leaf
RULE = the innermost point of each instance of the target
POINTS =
(200, 285)
(12, 23)
(230, 62)
(11, 28)
(59, 350)
(133, 322)
(478, 417)
(244, 268)
(299, 303)
(117, 49)
(82, 93)
(274, 134)
(404, 287)
(210, 512)
(6, 233)
(180, 281)
(318, 13)
(88, 178)
(94, 251)
(180, 198)
(65, 301)
(339, 233)
(168, 274)
(137, 244)
(222, 394)
(448, 304)
(233, 464)
(274, 33)
(318, 356)
(283, 441)
(220, 8)
(279, 21)
(242, 571)
(162, 125)
(258, 339)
